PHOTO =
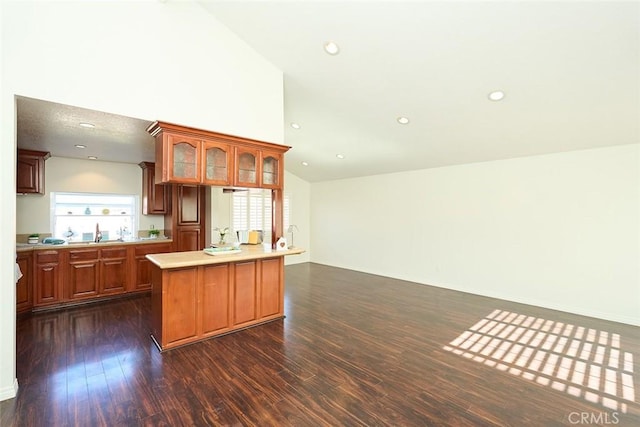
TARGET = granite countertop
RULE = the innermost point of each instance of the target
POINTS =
(195, 258)
(23, 247)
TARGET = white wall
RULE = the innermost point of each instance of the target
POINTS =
(150, 60)
(560, 231)
(299, 192)
(84, 176)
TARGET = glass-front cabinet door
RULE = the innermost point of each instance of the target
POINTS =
(184, 161)
(271, 168)
(218, 164)
(247, 172)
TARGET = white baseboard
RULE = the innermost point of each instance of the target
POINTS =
(9, 392)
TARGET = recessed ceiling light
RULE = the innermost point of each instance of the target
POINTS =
(295, 125)
(340, 156)
(331, 48)
(80, 146)
(403, 120)
(497, 95)
(87, 125)
(305, 164)
(92, 158)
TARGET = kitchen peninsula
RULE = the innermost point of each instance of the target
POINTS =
(196, 296)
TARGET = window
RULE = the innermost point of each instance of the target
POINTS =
(251, 210)
(74, 216)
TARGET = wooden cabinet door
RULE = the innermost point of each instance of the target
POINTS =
(83, 273)
(189, 204)
(244, 292)
(180, 311)
(215, 299)
(113, 270)
(188, 239)
(271, 287)
(247, 167)
(187, 222)
(47, 278)
(217, 163)
(142, 266)
(24, 287)
(184, 160)
(30, 171)
(155, 197)
(272, 172)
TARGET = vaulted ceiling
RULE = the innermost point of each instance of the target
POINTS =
(569, 71)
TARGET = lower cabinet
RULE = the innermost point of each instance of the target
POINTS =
(47, 277)
(193, 303)
(142, 266)
(245, 293)
(83, 273)
(181, 311)
(113, 271)
(216, 317)
(271, 288)
(97, 272)
(24, 287)
(53, 278)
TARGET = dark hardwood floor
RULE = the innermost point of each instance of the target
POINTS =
(354, 350)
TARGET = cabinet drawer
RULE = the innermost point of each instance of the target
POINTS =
(114, 253)
(46, 257)
(82, 255)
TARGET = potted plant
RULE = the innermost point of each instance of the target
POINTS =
(223, 232)
(33, 238)
(154, 233)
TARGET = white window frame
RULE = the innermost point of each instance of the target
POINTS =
(251, 210)
(89, 209)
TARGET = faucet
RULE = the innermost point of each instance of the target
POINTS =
(98, 233)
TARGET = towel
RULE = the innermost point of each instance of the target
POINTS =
(18, 273)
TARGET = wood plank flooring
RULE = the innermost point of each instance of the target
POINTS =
(354, 350)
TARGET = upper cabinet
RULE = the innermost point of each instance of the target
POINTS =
(217, 163)
(30, 171)
(193, 156)
(247, 167)
(272, 171)
(155, 197)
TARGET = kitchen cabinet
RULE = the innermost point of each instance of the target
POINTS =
(218, 163)
(245, 293)
(186, 223)
(272, 174)
(142, 266)
(155, 197)
(247, 167)
(30, 171)
(83, 272)
(113, 271)
(72, 275)
(258, 168)
(215, 297)
(96, 272)
(201, 296)
(24, 287)
(271, 288)
(47, 278)
(180, 158)
(193, 156)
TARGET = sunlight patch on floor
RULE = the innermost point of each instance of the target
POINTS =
(582, 362)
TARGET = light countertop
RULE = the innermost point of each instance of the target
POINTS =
(194, 258)
(23, 247)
